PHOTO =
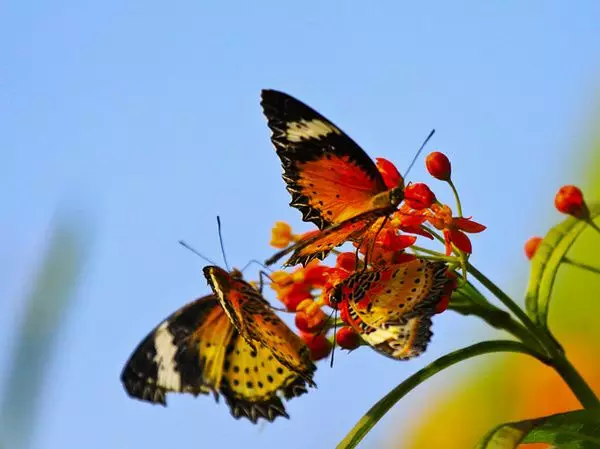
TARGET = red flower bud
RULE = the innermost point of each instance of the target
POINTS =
(569, 200)
(418, 196)
(318, 344)
(347, 338)
(438, 166)
(389, 173)
(531, 246)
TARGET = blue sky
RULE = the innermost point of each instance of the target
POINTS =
(146, 117)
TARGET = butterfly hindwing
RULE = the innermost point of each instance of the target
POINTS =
(329, 177)
(320, 244)
(258, 324)
(252, 379)
(401, 341)
(391, 306)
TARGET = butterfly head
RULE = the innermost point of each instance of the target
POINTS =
(396, 195)
(336, 296)
(236, 274)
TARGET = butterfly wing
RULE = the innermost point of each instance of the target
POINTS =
(253, 380)
(397, 340)
(395, 293)
(258, 324)
(197, 350)
(329, 177)
(177, 357)
(319, 245)
(391, 307)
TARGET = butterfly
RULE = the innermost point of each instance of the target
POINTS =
(199, 349)
(332, 181)
(391, 306)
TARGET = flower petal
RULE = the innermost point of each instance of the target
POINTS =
(461, 241)
(468, 225)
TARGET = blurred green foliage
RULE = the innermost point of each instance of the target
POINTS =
(52, 292)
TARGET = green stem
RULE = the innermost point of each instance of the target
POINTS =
(458, 205)
(477, 306)
(427, 251)
(593, 225)
(375, 413)
(511, 305)
(573, 379)
(581, 265)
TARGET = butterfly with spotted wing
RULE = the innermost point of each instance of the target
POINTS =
(390, 306)
(206, 348)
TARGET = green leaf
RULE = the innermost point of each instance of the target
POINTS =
(545, 264)
(375, 413)
(572, 430)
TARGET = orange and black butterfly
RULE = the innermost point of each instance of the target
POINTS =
(212, 345)
(391, 306)
(332, 181)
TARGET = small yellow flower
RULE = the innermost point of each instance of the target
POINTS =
(281, 235)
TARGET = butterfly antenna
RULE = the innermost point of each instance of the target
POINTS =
(258, 263)
(185, 245)
(221, 242)
(418, 153)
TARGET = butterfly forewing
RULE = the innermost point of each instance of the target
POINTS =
(259, 324)
(330, 178)
(167, 360)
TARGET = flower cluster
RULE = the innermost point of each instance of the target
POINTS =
(306, 290)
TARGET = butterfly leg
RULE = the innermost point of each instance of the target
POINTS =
(371, 244)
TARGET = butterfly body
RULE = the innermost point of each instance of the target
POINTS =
(201, 349)
(332, 181)
(391, 306)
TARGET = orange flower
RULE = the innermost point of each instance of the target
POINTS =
(454, 228)
(281, 235)
(309, 316)
(408, 220)
(295, 295)
(315, 274)
(290, 291)
(389, 173)
(418, 196)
